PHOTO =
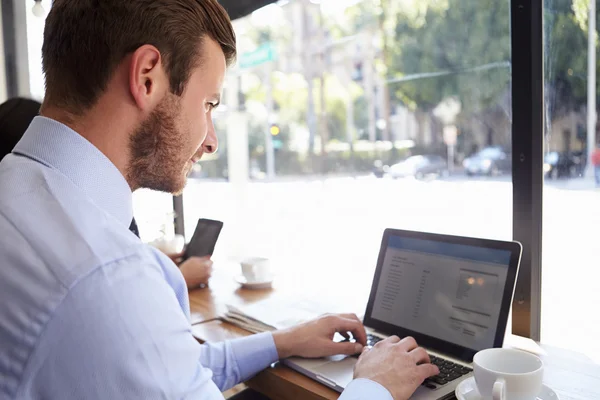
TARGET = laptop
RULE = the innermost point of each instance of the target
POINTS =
(452, 294)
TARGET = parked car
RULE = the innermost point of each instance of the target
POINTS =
(490, 161)
(564, 164)
(419, 167)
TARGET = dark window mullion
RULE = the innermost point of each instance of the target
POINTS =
(527, 146)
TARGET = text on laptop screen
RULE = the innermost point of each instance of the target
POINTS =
(449, 291)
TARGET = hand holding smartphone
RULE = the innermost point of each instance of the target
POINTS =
(204, 240)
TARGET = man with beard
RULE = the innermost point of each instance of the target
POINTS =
(86, 309)
(15, 116)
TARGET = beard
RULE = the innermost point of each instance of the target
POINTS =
(158, 151)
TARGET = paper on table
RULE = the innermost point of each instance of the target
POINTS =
(270, 314)
(237, 317)
(525, 344)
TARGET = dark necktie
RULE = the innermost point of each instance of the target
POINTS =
(134, 228)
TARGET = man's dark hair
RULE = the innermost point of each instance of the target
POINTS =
(85, 40)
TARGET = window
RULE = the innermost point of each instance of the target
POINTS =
(153, 213)
(327, 108)
(35, 40)
(570, 273)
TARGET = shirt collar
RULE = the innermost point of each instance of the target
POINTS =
(61, 148)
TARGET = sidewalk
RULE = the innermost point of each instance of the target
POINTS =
(588, 184)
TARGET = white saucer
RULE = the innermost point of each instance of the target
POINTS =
(265, 284)
(467, 390)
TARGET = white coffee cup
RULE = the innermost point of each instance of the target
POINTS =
(508, 374)
(256, 269)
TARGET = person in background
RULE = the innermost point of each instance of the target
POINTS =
(596, 164)
(16, 115)
(88, 311)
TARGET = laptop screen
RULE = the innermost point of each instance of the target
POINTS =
(448, 291)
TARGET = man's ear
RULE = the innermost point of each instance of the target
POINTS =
(148, 81)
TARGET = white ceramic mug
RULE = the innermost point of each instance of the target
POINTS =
(256, 269)
(508, 374)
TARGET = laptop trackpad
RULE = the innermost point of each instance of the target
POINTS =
(340, 370)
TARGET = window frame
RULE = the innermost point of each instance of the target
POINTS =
(527, 136)
(528, 160)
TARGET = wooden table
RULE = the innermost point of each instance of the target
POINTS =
(572, 375)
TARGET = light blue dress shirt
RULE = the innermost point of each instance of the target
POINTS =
(86, 309)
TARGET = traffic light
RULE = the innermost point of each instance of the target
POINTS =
(276, 136)
(275, 130)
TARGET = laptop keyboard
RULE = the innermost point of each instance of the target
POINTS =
(449, 371)
(372, 340)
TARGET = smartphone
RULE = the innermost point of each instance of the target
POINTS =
(205, 238)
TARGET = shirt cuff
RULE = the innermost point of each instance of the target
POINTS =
(254, 353)
(361, 389)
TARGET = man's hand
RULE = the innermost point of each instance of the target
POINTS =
(398, 365)
(314, 339)
(196, 271)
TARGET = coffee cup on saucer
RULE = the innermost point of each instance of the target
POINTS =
(256, 273)
(508, 374)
